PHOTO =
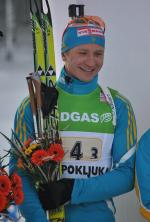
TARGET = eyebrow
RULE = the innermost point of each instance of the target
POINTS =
(85, 50)
(99, 50)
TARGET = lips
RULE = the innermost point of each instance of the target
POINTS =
(86, 69)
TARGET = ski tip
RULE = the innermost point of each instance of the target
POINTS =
(48, 11)
(31, 9)
(41, 6)
(35, 9)
(47, 4)
(36, 5)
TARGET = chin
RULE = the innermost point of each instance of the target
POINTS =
(87, 80)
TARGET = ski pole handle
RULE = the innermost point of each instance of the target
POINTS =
(33, 103)
(37, 86)
(32, 95)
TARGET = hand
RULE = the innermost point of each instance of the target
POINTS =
(55, 194)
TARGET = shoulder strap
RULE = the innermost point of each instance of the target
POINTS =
(110, 100)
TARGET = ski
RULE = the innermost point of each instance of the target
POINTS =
(44, 56)
(43, 41)
(50, 66)
(37, 37)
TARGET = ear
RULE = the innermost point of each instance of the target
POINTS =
(63, 55)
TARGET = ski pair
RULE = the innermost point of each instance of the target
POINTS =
(43, 79)
(42, 35)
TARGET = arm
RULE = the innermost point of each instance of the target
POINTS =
(31, 208)
(142, 185)
(121, 179)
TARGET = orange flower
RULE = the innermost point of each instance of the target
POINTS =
(5, 184)
(3, 201)
(38, 157)
(20, 163)
(29, 150)
(27, 142)
(56, 151)
(18, 196)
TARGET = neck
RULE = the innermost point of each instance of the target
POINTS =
(76, 86)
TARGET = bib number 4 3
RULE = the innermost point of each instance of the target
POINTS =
(77, 152)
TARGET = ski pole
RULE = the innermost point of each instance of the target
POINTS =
(33, 104)
(37, 85)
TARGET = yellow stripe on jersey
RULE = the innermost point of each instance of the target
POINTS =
(145, 212)
(131, 137)
(131, 130)
(24, 132)
(18, 117)
(137, 190)
(20, 124)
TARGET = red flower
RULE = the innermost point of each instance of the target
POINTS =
(16, 181)
(5, 184)
(38, 157)
(56, 151)
(18, 196)
(3, 201)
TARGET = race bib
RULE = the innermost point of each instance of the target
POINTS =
(80, 148)
(84, 156)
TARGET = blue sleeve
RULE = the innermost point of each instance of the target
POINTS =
(121, 178)
(143, 174)
(31, 208)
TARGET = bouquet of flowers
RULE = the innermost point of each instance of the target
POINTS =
(40, 157)
(10, 192)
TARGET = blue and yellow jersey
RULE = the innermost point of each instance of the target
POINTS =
(91, 197)
(142, 185)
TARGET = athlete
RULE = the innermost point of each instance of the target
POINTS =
(142, 174)
(98, 131)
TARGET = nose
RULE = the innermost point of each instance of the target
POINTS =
(90, 61)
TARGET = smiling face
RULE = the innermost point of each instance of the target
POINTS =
(84, 61)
